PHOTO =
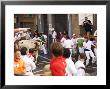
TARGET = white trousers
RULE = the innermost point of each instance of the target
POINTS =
(88, 54)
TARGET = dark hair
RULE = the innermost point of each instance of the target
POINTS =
(67, 37)
(31, 50)
(16, 50)
(56, 49)
(82, 56)
(66, 53)
(23, 50)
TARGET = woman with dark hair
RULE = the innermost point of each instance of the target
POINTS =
(70, 68)
(57, 64)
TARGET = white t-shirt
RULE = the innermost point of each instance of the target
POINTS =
(54, 34)
(74, 42)
(30, 65)
(68, 44)
(70, 68)
(88, 45)
(62, 40)
(80, 71)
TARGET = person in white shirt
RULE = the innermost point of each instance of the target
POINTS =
(74, 40)
(30, 65)
(87, 48)
(80, 65)
(68, 44)
(63, 39)
(36, 38)
(54, 36)
(28, 36)
(70, 68)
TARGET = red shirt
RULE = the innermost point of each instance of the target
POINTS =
(57, 66)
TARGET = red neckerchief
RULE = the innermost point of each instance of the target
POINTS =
(16, 59)
(29, 55)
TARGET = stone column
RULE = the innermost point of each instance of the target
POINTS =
(69, 23)
(75, 24)
(49, 17)
(50, 25)
(40, 23)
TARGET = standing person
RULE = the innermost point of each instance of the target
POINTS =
(61, 35)
(80, 65)
(87, 26)
(30, 65)
(79, 42)
(74, 40)
(87, 48)
(70, 68)
(50, 34)
(43, 47)
(68, 44)
(57, 63)
(63, 39)
(19, 64)
(28, 36)
(54, 35)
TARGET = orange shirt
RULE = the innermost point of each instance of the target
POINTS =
(19, 66)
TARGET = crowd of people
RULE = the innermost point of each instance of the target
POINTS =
(64, 62)
(70, 55)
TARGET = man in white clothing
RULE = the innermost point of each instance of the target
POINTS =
(87, 48)
(63, 39)
(30, 65)
(68, 44)
(70, 68)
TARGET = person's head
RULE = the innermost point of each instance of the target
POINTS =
(67, 37)
(64, 35)
(23, 51)
(82, 56)
(56, 49)
(86, 18)
(32, 51)
(17, 53)
(74, 35)
(66, 53)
